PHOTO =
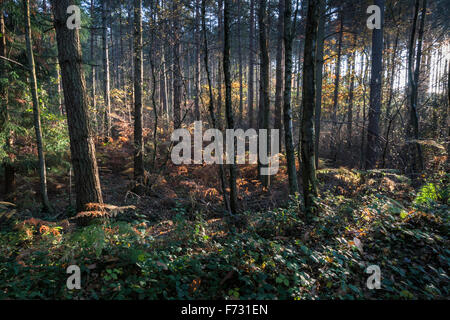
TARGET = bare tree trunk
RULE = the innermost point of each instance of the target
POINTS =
(264, 103)
(177, 76)
(106, 83)
(197, 62)
(373, 128)
(413, 84)
(138, 81)
(288, 35)
(251, 65)
(82, 148)
(228, 104)
(350, 101)
(93, 96)
(36, 109)
(211, 104)
(219, 61)
(319, 76)
(308, 103)
(279, 71)
(337, 78)
(240, 71)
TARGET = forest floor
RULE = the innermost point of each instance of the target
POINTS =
(174, 242)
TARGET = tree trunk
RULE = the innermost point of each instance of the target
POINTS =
(280, 70)
(264, 106)
(337, 78)
(373, 129)
(319, 76)
(176, 55)
(211, 104)
(36, 108)
(287, 109)
(138, 82)
(228, 102)
(308, 103)
(82, 148)
(197, 63)
(251, 65)
(240, 71)
(350, 101)
(415, 150)
(93, 96)
(106, 84)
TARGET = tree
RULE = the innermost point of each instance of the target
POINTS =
(337, 78)
(36, 108)
(279, 69)
(264, 106)
(93, 96)
(319, 76)
(138, 81)
(228, 105)
(197, 75)
(287, 109)
(373, 129)
(106, 82)
(251, 65)
(8, 164)
(308, 102)
(177, 76)
(416, 162)
(82, 148)
(212, 112)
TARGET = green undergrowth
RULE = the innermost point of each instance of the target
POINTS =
(278, 256)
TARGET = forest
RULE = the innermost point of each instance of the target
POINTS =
(224, 150)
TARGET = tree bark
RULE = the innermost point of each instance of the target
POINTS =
(211, 103)
(264, 102)
(138, 82)
(36, 109)
(197, 63)
(416, 160)
(350, 101)
(308, 103)
(373, 129)
(280, 71)
(177, 76)
(287, 108)
(106, 82)
(337, 78)
(228, 102)
(251, 65)
(82, 148)
(319, 76)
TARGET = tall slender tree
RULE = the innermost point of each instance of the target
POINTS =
(228, 102)
(138, 103)
(264, 106)
(416, 162)
(251, 65)
(288, 35)
(279, 70)
(308, 102)
(211, 109)
(106, 78)
(176, 55)
(373, 128)
(36, 108)
(319, 76)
